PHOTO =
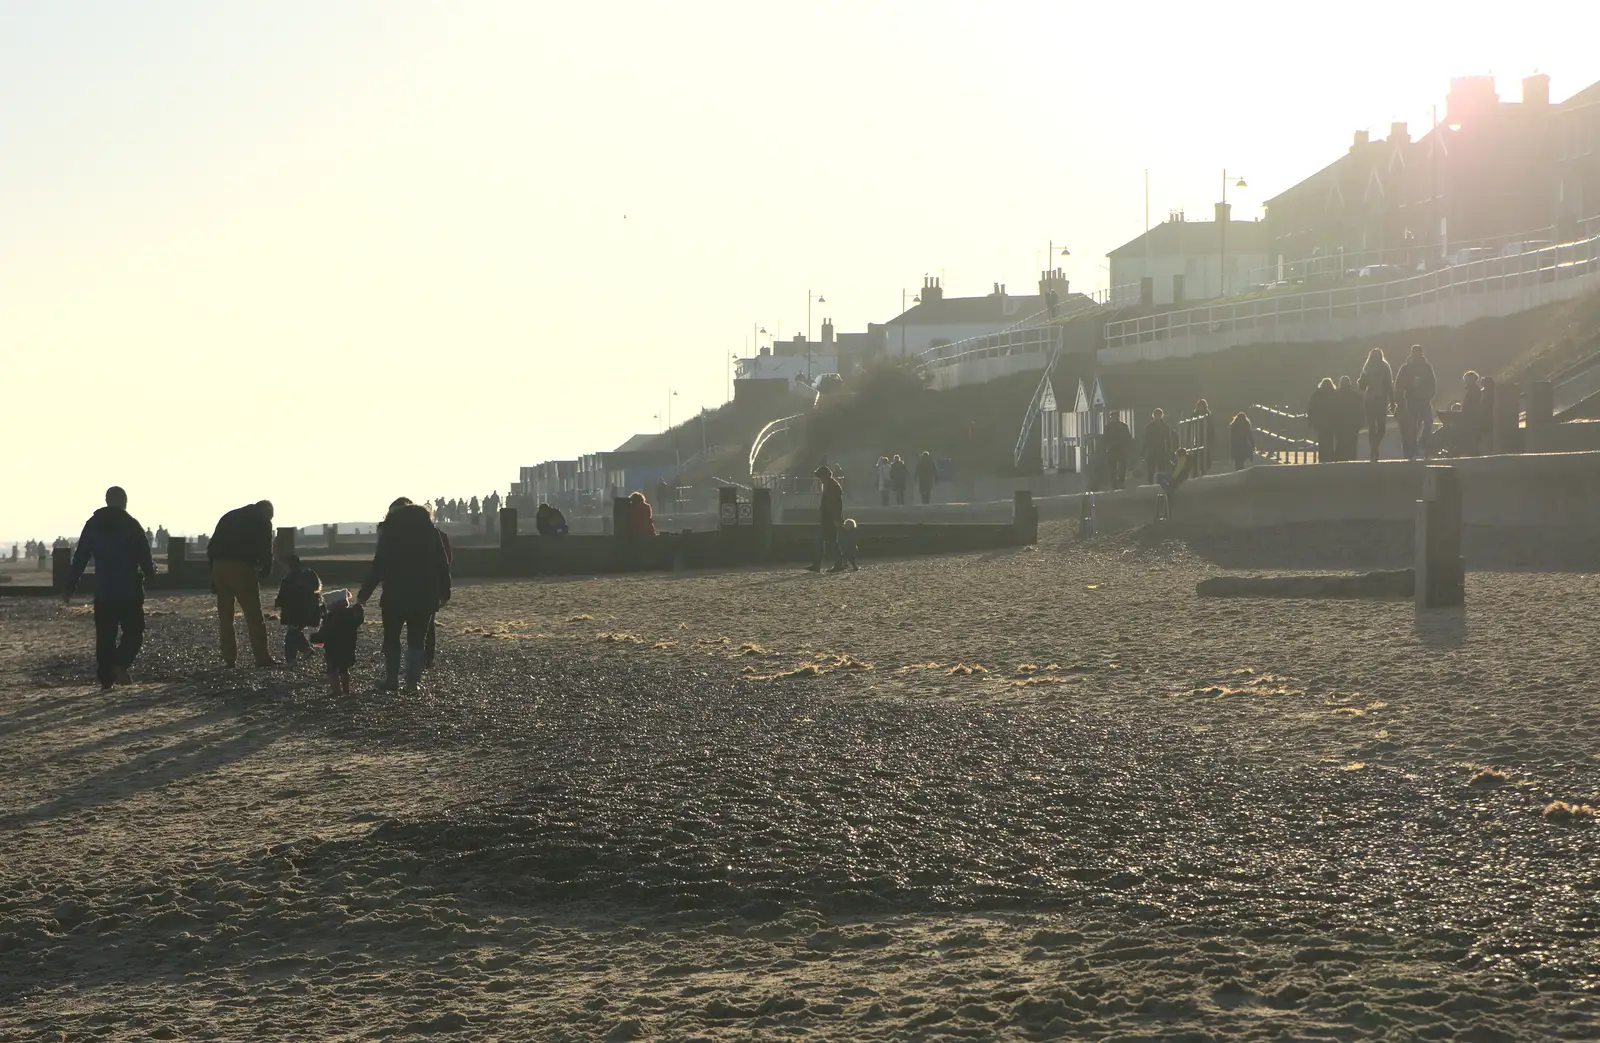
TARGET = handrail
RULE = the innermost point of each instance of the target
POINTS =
(766, 434)
(945, 358)
(1566, 260)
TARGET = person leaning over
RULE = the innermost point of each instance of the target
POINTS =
(240, 552)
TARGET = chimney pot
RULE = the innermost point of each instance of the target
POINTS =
(1398, 134)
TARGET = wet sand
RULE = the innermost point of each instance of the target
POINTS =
(1028, 794)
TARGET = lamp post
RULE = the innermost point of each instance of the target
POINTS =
(1049, 258)
(1222, 220)
(820, 299)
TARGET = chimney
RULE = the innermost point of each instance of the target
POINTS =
(1360, 140)
(1398, 134)
(827, 331)
(1536, 91)
(1223, 210)
(1055, 280)
(1469, 96)
(931, 290)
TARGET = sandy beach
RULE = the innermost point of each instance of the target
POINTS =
(1042, 793)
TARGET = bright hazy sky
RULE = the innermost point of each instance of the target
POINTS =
(333, 252)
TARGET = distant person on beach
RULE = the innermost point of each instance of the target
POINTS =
(1377, 390)
(122, 564)
(926, 473)
(641, 520)
(1321, 415)
(1242, 440)
(549, 521)
(414, 571)
(342, 616)
(1415, 385)
(240, 553)
(1349, 412)
(899, 478)
(299, 605)
(849, 535)
(1206, 437)
(830, 515)
(885, 482)
(491, 511)
(472, 509)
(1160, 442)
(1119, 449)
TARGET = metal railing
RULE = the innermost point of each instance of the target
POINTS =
(766, 434)
(1284, 449)
(1565, 261)
(1006, 341)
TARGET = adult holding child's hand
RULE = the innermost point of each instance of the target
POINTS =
(414, 570)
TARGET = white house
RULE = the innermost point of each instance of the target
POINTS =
(939, 321)
(1186, 261)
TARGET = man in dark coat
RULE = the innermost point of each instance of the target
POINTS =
(414, 571)
(899, 476)
(925, 475)
(1415, 385)
(122, 562)
(831, 516)
(1119, 449)
(1160, 442)
(240, 552)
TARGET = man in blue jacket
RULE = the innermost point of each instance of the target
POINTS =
(115, 540)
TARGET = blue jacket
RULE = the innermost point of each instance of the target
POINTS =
(115, 540)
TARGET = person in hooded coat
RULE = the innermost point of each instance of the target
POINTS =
(122, 562)
(414, 571)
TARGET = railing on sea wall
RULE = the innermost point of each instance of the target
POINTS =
(1275, 445)
(766, 434)
(1035, 332)
(1565, 261)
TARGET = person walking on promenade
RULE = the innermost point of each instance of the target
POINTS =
(926, 473)
(884, 484)
(414, 571)
(1415, 385)
(1160, 442)
(831, 518)
(1377, 390)
(1349, 411)
(122, 564)
(899, 478)
(1321, 415)
(1205, 436)
(1242, 440)
(1119, 449)
(240, 553)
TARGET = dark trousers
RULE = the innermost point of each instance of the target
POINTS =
(829, 544)
(1377, 424)
(1119, 472)
(900, 496)
(110, 617)
(433, 642)
(927, 493)
(416, 624)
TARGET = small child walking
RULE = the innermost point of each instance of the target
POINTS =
(341, 625)
(848, 537)
(299, 605)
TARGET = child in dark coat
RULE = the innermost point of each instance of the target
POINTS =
(340, 628)
(848, 537)
(299, 605)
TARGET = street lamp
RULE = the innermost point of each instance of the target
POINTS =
(820, 299)
(1222, 215)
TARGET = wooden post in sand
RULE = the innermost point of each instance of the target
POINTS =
(1024, 519)
(177, 554)
(60, 568)
(1505, 436)
(1541, 403)
(1440, 569)
(508, 529)
(761, 519)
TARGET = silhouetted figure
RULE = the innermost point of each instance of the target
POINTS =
(926, 473)
(1473, 424)
(1119, 449)
(885, 482)
(549, 521)
(491, 511)
(122, 564)
(1160, 442)
(830, 514)
(341, 629)
(641, 520)
(1321, 414)
(240, 552)
(1377, 392)
(472, 509)
(149, 538)
(849, 539)
(899, 479)
(1415, 386)
(411, 566)
(299, 605)
(1242, 441)
(1349, 411)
